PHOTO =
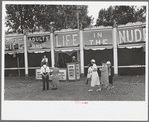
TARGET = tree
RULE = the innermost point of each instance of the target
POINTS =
(39, 17)
(121, 14)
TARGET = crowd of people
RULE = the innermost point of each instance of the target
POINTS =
(106, 79)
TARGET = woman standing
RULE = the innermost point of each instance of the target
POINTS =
(55, 77)
(89, 73)
(104, 75)
(95, 78)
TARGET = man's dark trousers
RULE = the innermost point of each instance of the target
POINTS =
(45, 82)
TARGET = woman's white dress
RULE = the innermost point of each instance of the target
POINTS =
(89, 74)
(95, 77)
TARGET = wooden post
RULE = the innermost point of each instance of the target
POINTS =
(81, 52)
(25, 56)
(18, 66)
(52, 48)
(115, 55)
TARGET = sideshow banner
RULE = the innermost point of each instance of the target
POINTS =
(71, 72)
(39, 42)
(67, 39)
(14, 43)
(131, 34)
(98, 37)
(78, 71)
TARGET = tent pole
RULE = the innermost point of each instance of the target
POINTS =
(115, 49)
(81, 52)
(52, 48)
(25, 55)
(18, 66)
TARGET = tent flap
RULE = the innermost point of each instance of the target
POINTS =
(131, 46)
(97, 47)
(68, 49)
(39, 50)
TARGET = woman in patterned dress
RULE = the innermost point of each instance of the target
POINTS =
(55, 77)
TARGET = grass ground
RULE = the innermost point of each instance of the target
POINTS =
(127, 88)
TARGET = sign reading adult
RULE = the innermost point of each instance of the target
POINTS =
(67, 39)
(39, 42)
(131, 34)
(98, 37)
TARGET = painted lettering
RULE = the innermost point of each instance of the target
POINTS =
(63, 41)
(57, 45)
(122, 37)
(98, 42)
(128, 38)
(144, 34)
(105, 41)
(33, 39)
(138, 32)
(91, 42)
(67, 40)
(99, 34)
(74, 40)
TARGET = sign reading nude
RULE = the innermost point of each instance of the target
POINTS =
(67, 39)
(131, 35)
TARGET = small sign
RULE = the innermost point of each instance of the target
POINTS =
(71, 71)
(78, 71)
(38, 74)
(62, 74)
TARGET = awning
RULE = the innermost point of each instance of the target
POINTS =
(131, 46)
(13, 51)
(98, 47)
(39, 50)
(67, 49)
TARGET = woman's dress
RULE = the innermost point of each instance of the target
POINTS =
(55, 77)
(95, 77)
(104, 75)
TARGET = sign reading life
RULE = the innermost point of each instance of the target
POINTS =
(67, 39)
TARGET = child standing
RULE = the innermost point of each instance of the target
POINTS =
(89, 73)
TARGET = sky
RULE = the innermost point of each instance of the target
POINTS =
(94, 9)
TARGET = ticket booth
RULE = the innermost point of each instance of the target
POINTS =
(73, 71)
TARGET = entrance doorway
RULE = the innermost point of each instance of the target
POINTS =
(62, 58)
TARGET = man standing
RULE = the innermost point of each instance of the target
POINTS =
(45, 70)
(44, 61)
(110, 71)
(74, 59)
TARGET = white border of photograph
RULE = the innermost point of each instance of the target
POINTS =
(69, 110)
